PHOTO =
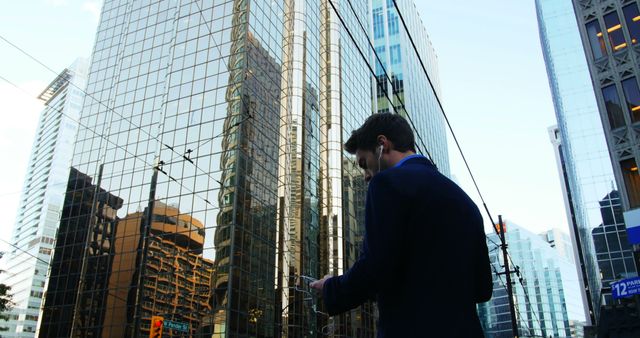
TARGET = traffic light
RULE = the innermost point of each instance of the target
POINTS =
(499, 228)
(156, 327)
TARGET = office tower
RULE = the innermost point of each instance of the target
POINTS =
(564, 247)
(614, 253)
(41, 201)
(609, 35)
(547, 303)
(232, 113)
(400, 78)
(583, 155)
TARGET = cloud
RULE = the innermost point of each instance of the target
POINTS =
(93, 7)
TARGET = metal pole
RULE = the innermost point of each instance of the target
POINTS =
(148, 219)
(507, 272)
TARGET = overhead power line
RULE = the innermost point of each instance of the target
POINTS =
(364, 58)
(446, 118)
(426, 73)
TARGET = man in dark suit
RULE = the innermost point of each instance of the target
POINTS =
(424, 258)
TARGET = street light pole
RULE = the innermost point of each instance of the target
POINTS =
(507, 272)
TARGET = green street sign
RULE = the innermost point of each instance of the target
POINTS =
(178, 326)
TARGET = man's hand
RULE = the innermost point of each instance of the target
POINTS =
(319, 284)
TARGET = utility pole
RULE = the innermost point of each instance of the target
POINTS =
(144, 244)
(507, 272)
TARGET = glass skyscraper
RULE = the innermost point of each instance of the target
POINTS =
(549, 303)
(209, 176)
(400, 78)
(41, 201)
(587, 172)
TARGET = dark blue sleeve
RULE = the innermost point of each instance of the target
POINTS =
(384, 234)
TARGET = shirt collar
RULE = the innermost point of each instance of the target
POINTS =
(402, 161)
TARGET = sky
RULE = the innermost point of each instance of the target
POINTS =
(494, 84)
(55, 32)
(497, 97)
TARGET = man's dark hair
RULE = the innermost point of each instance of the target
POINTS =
(393, 126)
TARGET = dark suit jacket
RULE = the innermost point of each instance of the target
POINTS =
(424, 258)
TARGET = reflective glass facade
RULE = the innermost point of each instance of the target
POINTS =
(400, 78)
(614, 65)
(210, 175)
(34, 233)
(549, 303)
(583, 154)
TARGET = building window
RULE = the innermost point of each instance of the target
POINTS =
(631, 181)
(381, 52)
(397, 83)
(596, 40)
(616, 36)
(378, 23)
(381, 86)
(632, 94)
(632, 18)
(614, 109)
(395, 56)
(393, 23)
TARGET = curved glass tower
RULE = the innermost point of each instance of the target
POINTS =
(584, 155)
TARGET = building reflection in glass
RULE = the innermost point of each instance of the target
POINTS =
(613, 251)
(176, 278)
(245, 237)
(78, 227)
(242, 106)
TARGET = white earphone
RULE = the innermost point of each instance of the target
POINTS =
(380, 149)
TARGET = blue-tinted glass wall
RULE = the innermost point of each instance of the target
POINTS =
(609, 38)
(406, 86)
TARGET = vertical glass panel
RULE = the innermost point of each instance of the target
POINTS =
(395, 54)
(632, 94)
(599, 242)
(631, 181)
(614, 109)
(380, 67)
(378, 23)
(612, 240)
(632, 18)
(616, 36)
(393, 23)
(596, 40)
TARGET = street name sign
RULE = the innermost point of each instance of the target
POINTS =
(178, 326)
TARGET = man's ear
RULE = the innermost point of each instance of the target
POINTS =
(384, 142)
